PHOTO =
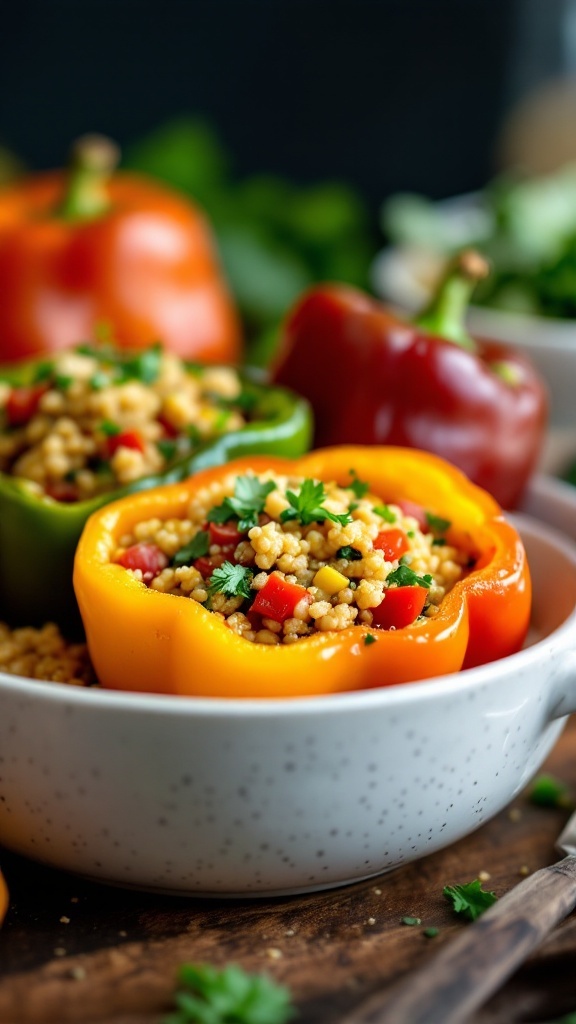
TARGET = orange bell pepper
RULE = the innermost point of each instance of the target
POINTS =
(141, 639)
(3, 897)
(89, 247)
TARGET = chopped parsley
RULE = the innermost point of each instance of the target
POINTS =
(99, 380)
(230, 579)
(548, 791)
(306, 506)
(109, 428)
(437, 523)
(63, 381)
(358, 487)
(370, 639)
(404, 576)
(197, 547)
(411, 921)
(351, 554)
(385, 513)
(245, 505)
(43, 373)
(228, 995)
(470, 900)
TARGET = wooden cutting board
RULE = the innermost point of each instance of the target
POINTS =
(73, 952)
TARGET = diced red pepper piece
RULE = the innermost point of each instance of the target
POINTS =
(227, 535)
(278, 598)
(393, 543)
(23, 402)
(63, 490)
(418, 512)
(146, 557)
(169, 429)
(399, 607)
(127, 439)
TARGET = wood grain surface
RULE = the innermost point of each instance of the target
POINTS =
(75, 952)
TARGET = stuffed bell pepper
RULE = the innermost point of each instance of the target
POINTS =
(375, 378)
(94, 423)
(346, 569)
(92, 246)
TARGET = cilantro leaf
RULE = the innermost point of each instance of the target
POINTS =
(358, 487)
(209, 995)
(404, 576)
(197, 547)
(437, 523)
(470, 900)
(245, 505)
(306, 506)
(351, 554)
(232, 580)
(385, 512)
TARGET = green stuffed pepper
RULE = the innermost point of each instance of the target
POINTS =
(92, 424)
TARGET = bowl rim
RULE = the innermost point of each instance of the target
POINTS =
(129, 701)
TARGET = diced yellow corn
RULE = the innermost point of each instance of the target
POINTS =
(330, 580)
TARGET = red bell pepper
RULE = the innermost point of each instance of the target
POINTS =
(148, 558)
(278, 598)
(91, 247)
(22, 403)
(400, 607)
(394, 544)
(374, 378)
(125, 439)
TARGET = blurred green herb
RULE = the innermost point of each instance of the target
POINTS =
(209, 995)
(525, 226)
(275, 238)
(548, 791)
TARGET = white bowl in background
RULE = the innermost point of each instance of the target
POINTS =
(404, 275)
(262, 797)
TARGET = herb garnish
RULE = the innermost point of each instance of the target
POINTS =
(351, 554)
(437, 523)
(306, 506)
(197, 547)
(246, 504)
(404, 576)
(209, 995)
(370, 639)
(548, 791)
(358, 487)
(385, 513)
(470, 900)
(230, 579)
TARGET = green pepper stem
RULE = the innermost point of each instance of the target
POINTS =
(92, 161)
(445, 315)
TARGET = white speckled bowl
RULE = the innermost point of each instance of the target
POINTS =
(217, 797)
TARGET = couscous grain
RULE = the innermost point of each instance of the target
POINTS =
(279, 558)
(94, 419)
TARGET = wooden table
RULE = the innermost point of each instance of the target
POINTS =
(73, 951)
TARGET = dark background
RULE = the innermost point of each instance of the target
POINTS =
(387, 94)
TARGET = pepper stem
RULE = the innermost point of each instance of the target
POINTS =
(92, 160)
(446, 313)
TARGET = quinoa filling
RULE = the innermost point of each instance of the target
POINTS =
(280, 558)
(45, 654)
(94, 418)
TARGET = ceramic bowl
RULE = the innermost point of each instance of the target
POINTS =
(261, 797)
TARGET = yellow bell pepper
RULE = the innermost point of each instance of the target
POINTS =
(141, 639)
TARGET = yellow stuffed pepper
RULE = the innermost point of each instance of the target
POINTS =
(346, 569)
